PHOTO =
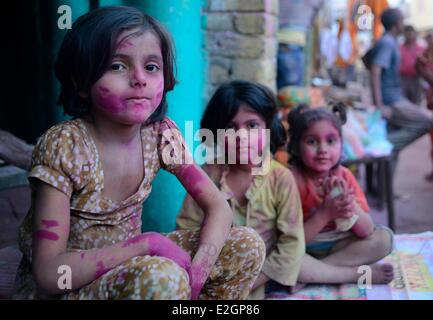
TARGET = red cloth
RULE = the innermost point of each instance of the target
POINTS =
(408, 59)
(311, 199)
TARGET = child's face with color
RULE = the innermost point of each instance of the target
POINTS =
(320, 147)
(251, 139)
(132, 87)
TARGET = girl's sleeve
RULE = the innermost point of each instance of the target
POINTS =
(284, 261)
(58, 160)
(172, 150)
(359, 194)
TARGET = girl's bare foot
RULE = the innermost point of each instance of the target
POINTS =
(382, 273)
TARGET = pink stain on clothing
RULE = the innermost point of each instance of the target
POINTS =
(50, 223)
(48, 235)
(193, 180)
(82, 255)
(135, 240)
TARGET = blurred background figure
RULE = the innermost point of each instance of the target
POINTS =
(410, 80)
(424, 67)
(296, 18)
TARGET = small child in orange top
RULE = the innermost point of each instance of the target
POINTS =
(338, 228)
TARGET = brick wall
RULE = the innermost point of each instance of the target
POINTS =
(240, 41)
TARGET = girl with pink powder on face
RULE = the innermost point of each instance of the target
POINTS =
(91, 175)
(266, 200)
(338, 229)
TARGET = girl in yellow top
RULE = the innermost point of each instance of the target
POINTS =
(267, 202)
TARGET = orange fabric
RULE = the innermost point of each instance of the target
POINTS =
(282, 156)
(310, 197)
(353, 30)
(377, 7)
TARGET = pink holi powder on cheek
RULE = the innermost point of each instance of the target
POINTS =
(159, 91)
(109, 102)
(193, 180)
(48, 235)
(103, 89)
(50, 223)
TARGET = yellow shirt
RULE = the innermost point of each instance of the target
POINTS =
(274, 210)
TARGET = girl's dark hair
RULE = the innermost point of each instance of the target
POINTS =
(302, 117)
(87, 50)
(228, 99)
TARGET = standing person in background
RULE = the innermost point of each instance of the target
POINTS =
(296, 18)
(406, 121)
(410, 80)
(424, 66)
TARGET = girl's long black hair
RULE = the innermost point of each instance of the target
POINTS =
(231, 96)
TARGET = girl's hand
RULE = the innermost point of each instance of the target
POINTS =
(161, 246)
(339, 200)
(201, 267)
(197, 278)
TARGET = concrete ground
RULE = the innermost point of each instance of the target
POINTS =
(414, 201)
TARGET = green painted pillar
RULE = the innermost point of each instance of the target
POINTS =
(182, 18)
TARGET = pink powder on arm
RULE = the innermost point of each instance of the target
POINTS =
(193, 180)
(50, 223)
(100, 269)
(48, 235)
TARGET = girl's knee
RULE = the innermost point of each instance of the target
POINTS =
(382, 240)
(158, 278)
(247, 243)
